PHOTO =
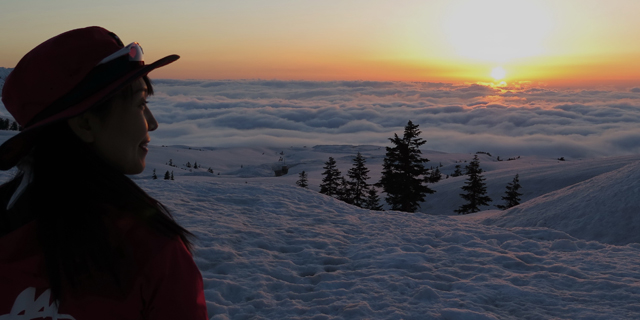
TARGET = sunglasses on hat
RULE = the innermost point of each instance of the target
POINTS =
(133, 50)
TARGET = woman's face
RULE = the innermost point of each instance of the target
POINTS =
(122, 137)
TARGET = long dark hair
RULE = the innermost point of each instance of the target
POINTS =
(71, 197)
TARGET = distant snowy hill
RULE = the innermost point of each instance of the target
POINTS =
(605, 208)
(270, 250)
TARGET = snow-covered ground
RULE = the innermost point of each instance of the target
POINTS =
(4, 72)
(270, 250)
(604, 208)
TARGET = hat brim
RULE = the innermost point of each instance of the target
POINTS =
(19, 145)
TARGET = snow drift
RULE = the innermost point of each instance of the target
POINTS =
(605, 208)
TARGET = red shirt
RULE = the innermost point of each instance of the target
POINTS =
(166, 282)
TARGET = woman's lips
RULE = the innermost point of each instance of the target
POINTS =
(145, 145)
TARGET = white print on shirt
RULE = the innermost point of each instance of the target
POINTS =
(27, 307)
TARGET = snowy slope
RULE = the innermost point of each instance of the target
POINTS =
(270, 250)
(538, 175)
(281, 252)
(4, 72)
(604, 208)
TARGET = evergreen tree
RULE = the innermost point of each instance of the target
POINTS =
(14, 126)
(475, 188)
(171, 162)
(171, 174)
(373, 201)
(167, 176)
(358, 186)
(302, 181)
(435, 175)
(404, 175)
(511, 195)
(188, 164)
(344, 191)
(457, 172)
(332, 178)
(4, 124)
(154, 176)
(210, 170)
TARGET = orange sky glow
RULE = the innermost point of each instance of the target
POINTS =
(557, 43)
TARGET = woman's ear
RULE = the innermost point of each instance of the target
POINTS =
(85, 126)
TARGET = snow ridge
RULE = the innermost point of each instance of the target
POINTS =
(604, 208)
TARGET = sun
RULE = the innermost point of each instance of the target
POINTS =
(496, 30)
(498, 73)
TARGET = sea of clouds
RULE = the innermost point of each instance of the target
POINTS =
(507, 121)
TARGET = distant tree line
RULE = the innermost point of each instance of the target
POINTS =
(168, 175)
(356, 190)
(405, 179)
(12, 125)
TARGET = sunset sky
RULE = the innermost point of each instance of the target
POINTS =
(562, 42)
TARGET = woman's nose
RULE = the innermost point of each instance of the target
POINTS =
(152, 124)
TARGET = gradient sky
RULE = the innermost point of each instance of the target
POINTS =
(562, 42)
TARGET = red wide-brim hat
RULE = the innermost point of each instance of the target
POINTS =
(64, 77)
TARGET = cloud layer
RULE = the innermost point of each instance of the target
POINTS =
(453, 118)
(512, 121)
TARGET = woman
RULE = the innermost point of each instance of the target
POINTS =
(78, 239)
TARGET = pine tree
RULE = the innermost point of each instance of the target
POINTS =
(332, 178)
(171, 162)
(154, 176)
(195, 165)
(171, 174)
(344, 191)
(457, 172)
(404, 175)
(358, 186)
(475, 188)
(4, 124)
(511, 195)
(373, 201)
(188, 164)
(167, 176)
(302, 181)
(14, 126)
(435, 175)
(210, 170)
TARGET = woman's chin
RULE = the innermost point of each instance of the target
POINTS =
(133, 169)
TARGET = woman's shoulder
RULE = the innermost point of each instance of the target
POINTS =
(139, 237)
